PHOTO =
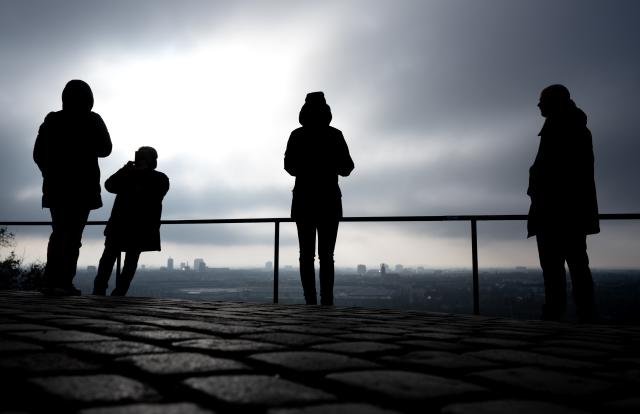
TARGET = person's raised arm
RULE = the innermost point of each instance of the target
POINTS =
(118, 181)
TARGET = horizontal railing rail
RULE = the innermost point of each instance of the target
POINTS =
(473, 219)
(463, 217)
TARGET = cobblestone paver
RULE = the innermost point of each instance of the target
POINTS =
(103, 355)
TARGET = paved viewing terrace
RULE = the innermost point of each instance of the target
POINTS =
(144, 355)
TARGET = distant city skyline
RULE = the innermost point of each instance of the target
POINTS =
(200, 265)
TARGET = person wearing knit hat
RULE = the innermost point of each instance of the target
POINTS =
(316, 155)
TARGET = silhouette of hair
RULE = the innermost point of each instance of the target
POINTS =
(77, 96)
(315, 110)
(149, 154)
(556, 93)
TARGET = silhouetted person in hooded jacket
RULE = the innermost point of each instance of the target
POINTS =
(134, 225)
(564, 208)
(316, 154)
(67, 149)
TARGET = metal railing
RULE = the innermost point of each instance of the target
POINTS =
(472, 219)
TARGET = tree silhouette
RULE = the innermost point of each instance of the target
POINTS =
(12, 274)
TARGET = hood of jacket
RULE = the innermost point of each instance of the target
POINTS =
(77, 96)
(315, 111)
(572, 116)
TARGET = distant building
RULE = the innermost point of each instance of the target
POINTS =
(268, 266)
(420, 269)
(383, 268)
(170, 264)
(199, 265)
(399, 268)
(143, 267)
(92, 269)
(362, 269)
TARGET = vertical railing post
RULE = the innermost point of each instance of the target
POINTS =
(474, 260)
(276, 261)
(118, 267)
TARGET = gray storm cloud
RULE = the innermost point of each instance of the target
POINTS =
(406, 80)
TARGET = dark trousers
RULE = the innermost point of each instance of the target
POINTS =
(554, 250)
(327, 231)
(123, 281)
(64, 245)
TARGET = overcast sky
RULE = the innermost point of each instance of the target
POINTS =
(436, 99)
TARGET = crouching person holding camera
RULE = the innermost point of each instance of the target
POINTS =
(134, 225)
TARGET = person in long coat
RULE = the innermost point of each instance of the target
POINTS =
(564, 207)
(134, 225)
(66, 151)
(316, 155)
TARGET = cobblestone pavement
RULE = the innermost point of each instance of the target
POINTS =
(102, 355)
